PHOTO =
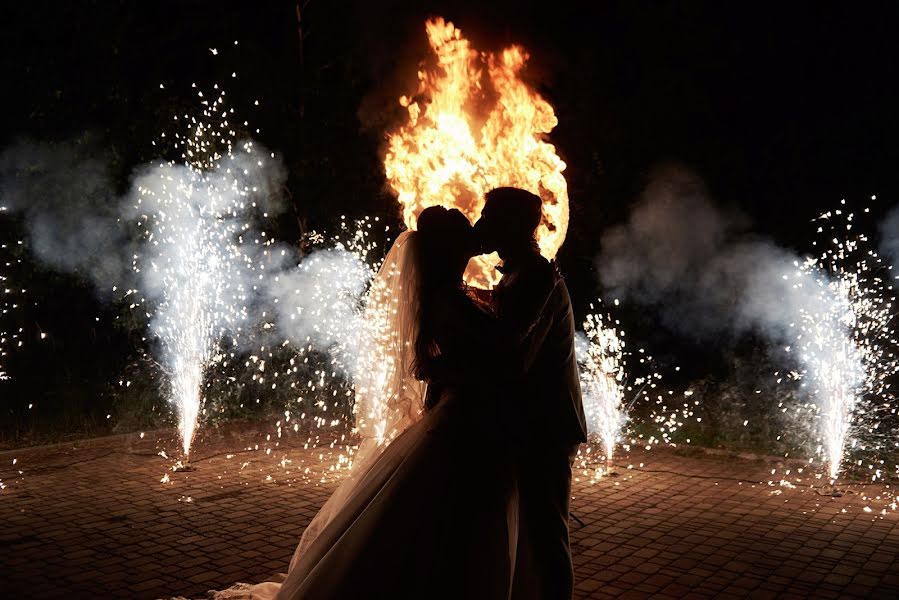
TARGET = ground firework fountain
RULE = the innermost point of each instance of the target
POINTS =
(200, 256)
(610, 392)
(834, 364)
(602, 382)
(845, 343)
(5, 306)
(9, 335)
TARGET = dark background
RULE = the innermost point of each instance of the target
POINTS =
(782, 109)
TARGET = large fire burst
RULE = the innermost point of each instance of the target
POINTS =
(473, 125)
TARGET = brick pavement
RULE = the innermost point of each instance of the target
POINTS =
(93, 520)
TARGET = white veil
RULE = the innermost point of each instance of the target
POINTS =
(388, 396)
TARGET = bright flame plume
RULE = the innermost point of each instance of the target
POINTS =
(474, 125)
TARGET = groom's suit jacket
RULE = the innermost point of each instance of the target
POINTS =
(532, 301)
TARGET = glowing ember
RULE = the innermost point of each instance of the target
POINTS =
(474, 125)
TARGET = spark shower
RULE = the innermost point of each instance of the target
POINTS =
(214, 284)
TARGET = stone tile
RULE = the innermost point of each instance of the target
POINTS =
(666, 532)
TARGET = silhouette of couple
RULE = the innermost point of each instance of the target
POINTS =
(461, 488)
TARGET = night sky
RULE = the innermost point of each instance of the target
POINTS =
(783, 110)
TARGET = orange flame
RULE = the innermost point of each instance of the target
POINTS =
(475, 125)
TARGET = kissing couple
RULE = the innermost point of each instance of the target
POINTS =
(471, 416)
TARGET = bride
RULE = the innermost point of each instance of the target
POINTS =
(430, 508)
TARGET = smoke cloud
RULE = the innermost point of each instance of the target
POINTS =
(64, 193)
(163, 240)
(187, 244)
(194, 224)
(698, 267)
(318, 303)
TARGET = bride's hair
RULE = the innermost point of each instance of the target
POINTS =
(443, 238)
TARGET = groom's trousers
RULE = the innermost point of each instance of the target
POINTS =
(543, 562)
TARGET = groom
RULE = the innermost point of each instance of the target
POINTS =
(532, 303)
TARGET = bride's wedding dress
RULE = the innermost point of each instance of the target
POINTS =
(434, 512)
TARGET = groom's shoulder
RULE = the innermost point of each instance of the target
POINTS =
(539, 268)
(538, 264)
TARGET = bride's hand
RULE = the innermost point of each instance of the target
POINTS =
(483, 298)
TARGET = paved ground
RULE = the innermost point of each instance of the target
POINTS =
(94, 521)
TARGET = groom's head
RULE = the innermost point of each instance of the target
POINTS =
(509, 219)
